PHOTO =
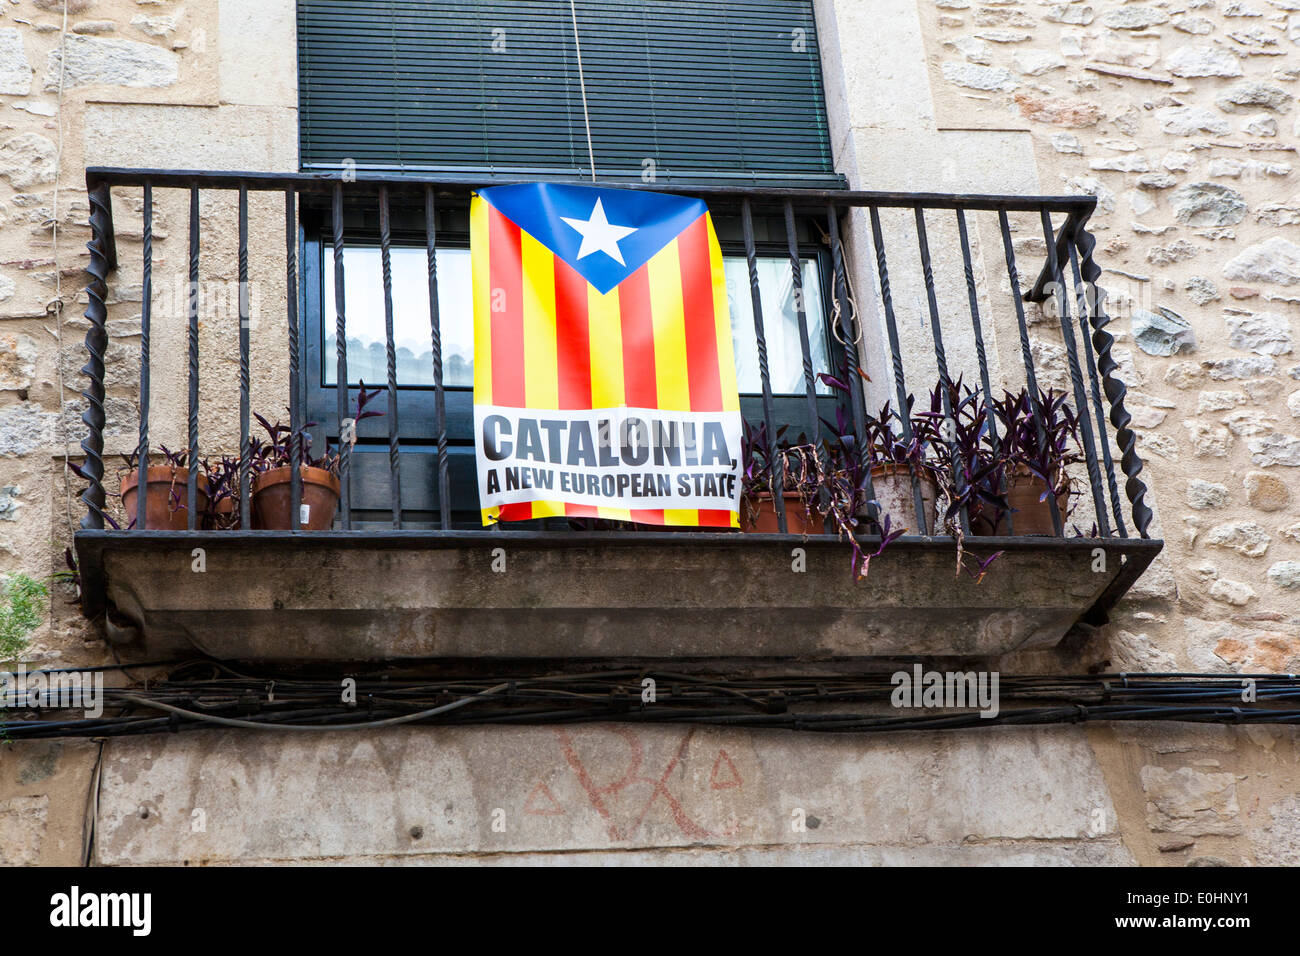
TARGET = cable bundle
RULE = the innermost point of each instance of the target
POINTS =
(203, 694)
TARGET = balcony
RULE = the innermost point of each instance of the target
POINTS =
(916, 290)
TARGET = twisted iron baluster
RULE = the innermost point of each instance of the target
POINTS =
(805, 347)
(1099, 412)
(940, 359)
(341, 350)
(1026, 353)
(295, 412)
(146, 320)
(849, 329)
(896, 358)
(1115, 389)
(101, 221)
(756, 297)
(390, 351)
(245, 443)
(972, 296)
(1056, 267)
(191, 484)
(435, 337)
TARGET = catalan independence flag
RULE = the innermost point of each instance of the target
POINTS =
(604, 380)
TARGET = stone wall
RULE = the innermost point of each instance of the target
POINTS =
(1178, 119)
(113, 50)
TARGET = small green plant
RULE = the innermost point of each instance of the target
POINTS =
(21, 606)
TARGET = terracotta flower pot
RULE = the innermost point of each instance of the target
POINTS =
(1029, 516)
(892, 484)
(272, 505)
(163, 512)
(759, 516)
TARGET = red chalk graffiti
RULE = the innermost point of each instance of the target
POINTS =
(733, 779)
(533, 807)
(598, 796)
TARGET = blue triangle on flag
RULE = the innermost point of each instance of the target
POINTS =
(592, 227)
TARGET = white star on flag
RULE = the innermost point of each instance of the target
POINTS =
(598, 235)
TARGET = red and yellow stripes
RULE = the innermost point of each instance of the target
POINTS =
(545, 338)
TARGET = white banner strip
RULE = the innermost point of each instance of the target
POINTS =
(642, 458)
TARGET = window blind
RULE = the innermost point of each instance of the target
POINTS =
(678, 91)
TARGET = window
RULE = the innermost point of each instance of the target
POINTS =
(363, 291)
(691, 90)
(780, 324)
(687, 91)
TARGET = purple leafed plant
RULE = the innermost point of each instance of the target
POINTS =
(177, 459)
(885, 440)
(797, 467)
(835, 477)
(282, 443)
(860, 561)
(223, 485)
(976, 478)
(1047, 457)
(982, 565)
(984, 468)
(848, 500)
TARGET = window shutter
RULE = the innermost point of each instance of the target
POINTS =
(723, 91)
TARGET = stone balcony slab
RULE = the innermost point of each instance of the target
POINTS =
(409, 595)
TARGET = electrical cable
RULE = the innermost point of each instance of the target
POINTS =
(582, 84)
(365, 725)
(91, 808)
(224, 697)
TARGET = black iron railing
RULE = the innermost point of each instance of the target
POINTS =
(1068, 277)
